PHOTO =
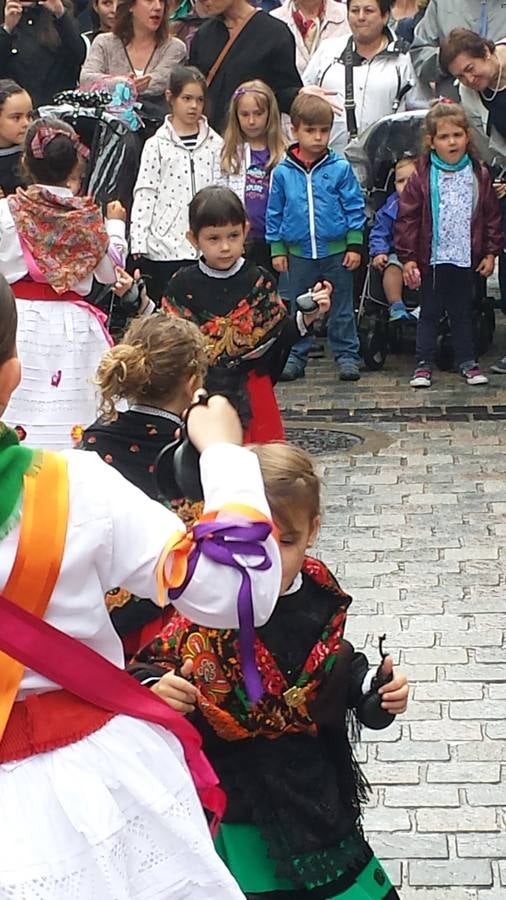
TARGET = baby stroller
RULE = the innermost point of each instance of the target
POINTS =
(373, 156)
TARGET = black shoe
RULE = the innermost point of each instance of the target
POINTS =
(291, 372)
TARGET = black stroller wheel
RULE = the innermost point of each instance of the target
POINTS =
(395, 337)
(445, 356)
(484, 327)
(375, 346)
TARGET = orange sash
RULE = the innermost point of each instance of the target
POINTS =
(38, 558)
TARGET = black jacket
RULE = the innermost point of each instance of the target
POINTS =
(265, 49)
(42, 71)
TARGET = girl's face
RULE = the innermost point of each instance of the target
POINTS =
(220, 245)
(292, 547)
(252, 119)
(450, 141)
(366, 20)
(147, 14)
(476, 73)
(15, 117)
(188, 106)
(106, 11)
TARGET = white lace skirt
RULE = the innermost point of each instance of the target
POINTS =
(114, 816)
(59, 345)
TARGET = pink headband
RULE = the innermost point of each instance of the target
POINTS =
(47, 133)
(240, 91)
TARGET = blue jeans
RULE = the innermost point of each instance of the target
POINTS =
(342, 329)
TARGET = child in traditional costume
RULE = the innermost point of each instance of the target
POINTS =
(97, 802)
(236, 305)
(156, 369)
(52, 245)
(294, 787)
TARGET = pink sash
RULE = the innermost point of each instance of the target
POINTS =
(83, 672)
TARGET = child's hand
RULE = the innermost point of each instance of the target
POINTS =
(486, 267)
(123, 283)
(177, 691)
(321, 295)
(214, 423)
(352, 260)
(12, 14)
(394, 694)
(500, 189)
(280, 263)
(411, 275)
(116, 210)
(379, 261)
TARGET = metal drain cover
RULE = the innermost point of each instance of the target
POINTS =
(318, 441)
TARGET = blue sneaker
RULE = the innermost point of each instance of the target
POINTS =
(291, 372)
(398, 311)
(349, 370)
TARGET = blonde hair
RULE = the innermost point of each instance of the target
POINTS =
(292, 486)
(446, 109)
(157, 356)
(233, 138)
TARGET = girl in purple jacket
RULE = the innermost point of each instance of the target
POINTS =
(448, 229)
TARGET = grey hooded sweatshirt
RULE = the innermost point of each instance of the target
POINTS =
(443, 15)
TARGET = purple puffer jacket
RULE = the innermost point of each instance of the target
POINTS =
(413, 228)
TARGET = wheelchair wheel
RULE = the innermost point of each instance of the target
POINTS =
(445, 356)
(375, 345)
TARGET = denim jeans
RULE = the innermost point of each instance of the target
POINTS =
(342, 330)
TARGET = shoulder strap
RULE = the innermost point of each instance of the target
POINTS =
(38, 558)
(349, 99)
(221, 56)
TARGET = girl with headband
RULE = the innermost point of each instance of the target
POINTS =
(52, 245)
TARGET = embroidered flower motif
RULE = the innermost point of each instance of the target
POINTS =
(76, 434)
(21, 432)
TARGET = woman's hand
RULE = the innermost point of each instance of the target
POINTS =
(141, 82)
(486, 266)
(500, 189)
(13, 11)
(55, 7)
(379, 261)
(116, 210)
(318, 91)
(213, 423)
(411, 275)
(179, 693)
(394, 694)
(321, 295)
(280, 263)
(352, 260)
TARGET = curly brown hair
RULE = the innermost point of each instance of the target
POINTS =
(123, 25)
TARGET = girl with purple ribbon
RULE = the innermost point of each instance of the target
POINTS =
(295, 790)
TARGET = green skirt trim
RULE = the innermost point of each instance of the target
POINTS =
(245, 853)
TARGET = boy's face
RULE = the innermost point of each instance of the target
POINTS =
(293, 544)
(402, 175)
(220, 245)
(313, 139)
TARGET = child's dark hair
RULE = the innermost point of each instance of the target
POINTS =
(155, 357)
(183, 75)
(385, 6)
(292, 486)
(8, 88)
(60, 153)
(310, 110)
(446, 109)
(8, 322)
(215, 206)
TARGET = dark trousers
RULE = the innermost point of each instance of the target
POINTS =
(158, 274)
(502, 259)
(259, 252)
(447, 288)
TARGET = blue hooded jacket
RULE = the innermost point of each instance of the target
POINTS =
(314, 212)
(381, 238)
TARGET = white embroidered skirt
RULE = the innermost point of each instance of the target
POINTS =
(114, 816)
(60, 345)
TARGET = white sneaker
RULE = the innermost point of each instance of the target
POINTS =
(474, 375)
(422, 377)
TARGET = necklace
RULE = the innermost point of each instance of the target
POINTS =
(496, 89)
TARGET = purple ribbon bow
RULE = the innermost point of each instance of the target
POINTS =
(222, 542)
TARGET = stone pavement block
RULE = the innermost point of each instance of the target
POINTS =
(374, 543)
(485, 749)
(381, 520)
(421, 751)
(476, 672)
(422, 711)
(411, 639)
(419, 673)
(439, 656)
(389, 820)
(471, 552)
(387, 735)
(478, 709)
(446, 730)
(451, 873)
(393, 773)
(496, 730)
(410, 606)
(450, 690)
(498, 692)
(471, 638)
(423, 795)
(439, 893)
(459, 773)
(496, 655)
(482, 845)
(457, 820)
(410, 846)
(486, 795)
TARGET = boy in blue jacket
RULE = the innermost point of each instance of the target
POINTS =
(381, 243)
(315, 226)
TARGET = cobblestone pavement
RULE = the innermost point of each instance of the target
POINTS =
(414, 526)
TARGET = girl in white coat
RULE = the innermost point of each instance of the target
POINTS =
(176, 163)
